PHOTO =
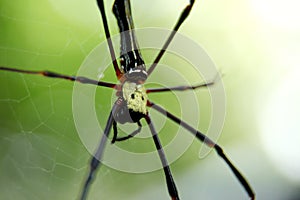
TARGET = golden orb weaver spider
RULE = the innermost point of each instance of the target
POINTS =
(131, 105)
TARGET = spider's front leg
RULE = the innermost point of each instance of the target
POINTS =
(168, 175)
(206, 140)
(95, 162)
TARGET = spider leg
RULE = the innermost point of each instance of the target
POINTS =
(179, 88)
(115, 128)
(184, 88)
(116, 139)
(108, 39)
(169, 178)
(209, 143)
(185, 13)
(95, 161)
(49, 74)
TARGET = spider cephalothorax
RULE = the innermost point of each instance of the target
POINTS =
(133, 102)
(135, 96)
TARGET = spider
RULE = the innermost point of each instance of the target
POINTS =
(132, 101)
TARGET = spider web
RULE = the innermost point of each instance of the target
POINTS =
(42, 157)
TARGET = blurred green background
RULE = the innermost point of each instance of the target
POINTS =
(255, 44)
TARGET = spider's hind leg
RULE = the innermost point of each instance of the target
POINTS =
(117, 139)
